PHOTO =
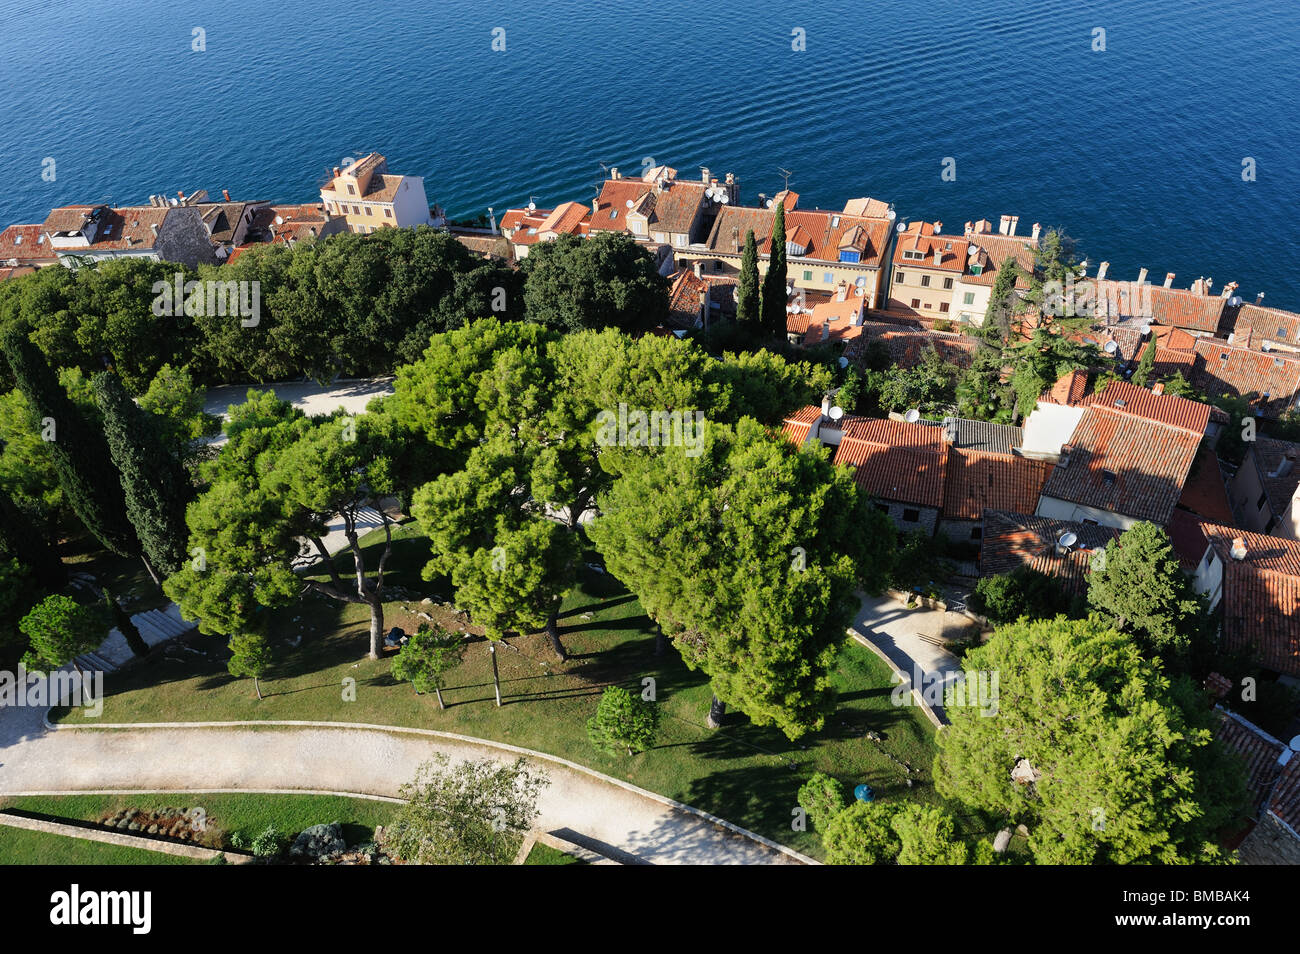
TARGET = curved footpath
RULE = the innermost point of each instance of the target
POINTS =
(591, 809)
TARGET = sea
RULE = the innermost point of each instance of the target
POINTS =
(1159, 134)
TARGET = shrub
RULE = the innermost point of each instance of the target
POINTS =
(623, 721)
(822, 797)
(269, 843)
(861, 835)
(1022, 592)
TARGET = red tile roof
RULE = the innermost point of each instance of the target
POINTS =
(895, 460)
(921, 237)
(993, 251)
(1257, 324)
(1258, 751)
(27, 244)
(1178, 307)
(798, 426)
(1222, 368)
(610, 213)
(1165, 408)
(1068, 390)
(1124, 464)
(979, 481)
(684, 299)
(1014, 540)
(1283, 459)
(1261, 596)
(1205, 494)
(115, 229)
(824, 233)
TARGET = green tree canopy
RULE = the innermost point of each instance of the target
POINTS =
(604, 281)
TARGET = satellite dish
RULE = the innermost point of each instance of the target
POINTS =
(769, 204)
(1295, 744)
(1068, 539)
(974, 252)
(723, 199)
(860, 281)
(844, 362)
(901, 228)
(279, 220)
(1234, 301)
(789, 289)
(795, 309)
(1145, 328)
(891, 215)
(837, 412)
(912, 416)
(532, 206)
(1111, 347)
(629, 203)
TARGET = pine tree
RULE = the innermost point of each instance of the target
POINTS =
(1142, 375)
(80, 454)
(153, 479)
(774, 293)
(748, 304)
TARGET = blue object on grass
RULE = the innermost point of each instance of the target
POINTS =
(863, 793)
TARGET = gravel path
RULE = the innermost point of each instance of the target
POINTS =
(584, 807)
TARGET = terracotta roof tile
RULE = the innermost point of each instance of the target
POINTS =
(1222, 368)
(26, 244)
(1165, 408)
(798, 426)
(1257, 324)
(921, 237)
(1205, 493)
(895, 460)
(979, 481)
(1014, 540)
(1261, 596)
(1258, 751)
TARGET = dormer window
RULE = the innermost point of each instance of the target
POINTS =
(976, 268)
(850, 255)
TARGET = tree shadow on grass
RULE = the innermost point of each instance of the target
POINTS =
(599, 605)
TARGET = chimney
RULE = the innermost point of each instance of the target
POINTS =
(1228, 289)
(1003, 224)
(938, 226)
(1158, 388)
(826, 328)
(180, 195)
(225, 194)
(613, 172)
(699, 268)
(336, 172)
(938, 255)
(970, 227)
(1142, 276)
(1012, 222)
(704, 174)
(1259, 299)
(1101, 270)
(1209, 282)
(826, 405)
(153, 227)
(1037, 231)
(856, 319)
(1064, 458)
(1169, 279)
(950, 430)
(1238, 551)
(841, 290)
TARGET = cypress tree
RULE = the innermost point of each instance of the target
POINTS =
(774, 294)
(748, 304)
(22, 539)
(1142, 375)
(80, 454)
(153, 481)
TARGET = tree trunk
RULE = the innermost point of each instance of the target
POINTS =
(152, 575)
(438, 690)
(257, 689)
(661, 641)
(717, 712)
(553, 634)
(376, 628)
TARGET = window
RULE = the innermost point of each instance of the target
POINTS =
(850, 255)
(925, 281)
(911, 515)
(965, 316)
(976, 533)
(717, 266)
(388, 212)
(807, 276)
(976, 269)
(828, 277)
(916, 303)
(1263, 499)
(968, 298)
(947, 283)
(352, 190)
(898, 277)
(882, 508)
(943, 306)
(1281, 333)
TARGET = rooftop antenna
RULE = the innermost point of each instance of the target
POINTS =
(787, 174)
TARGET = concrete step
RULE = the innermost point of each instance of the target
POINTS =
(163, 623)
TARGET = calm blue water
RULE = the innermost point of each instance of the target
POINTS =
(1136, 151)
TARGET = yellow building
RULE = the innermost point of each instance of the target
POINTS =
(369, 198)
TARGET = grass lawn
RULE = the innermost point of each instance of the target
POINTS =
(21, 847)
(226, 812)
(541, 854)
(743, 773)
